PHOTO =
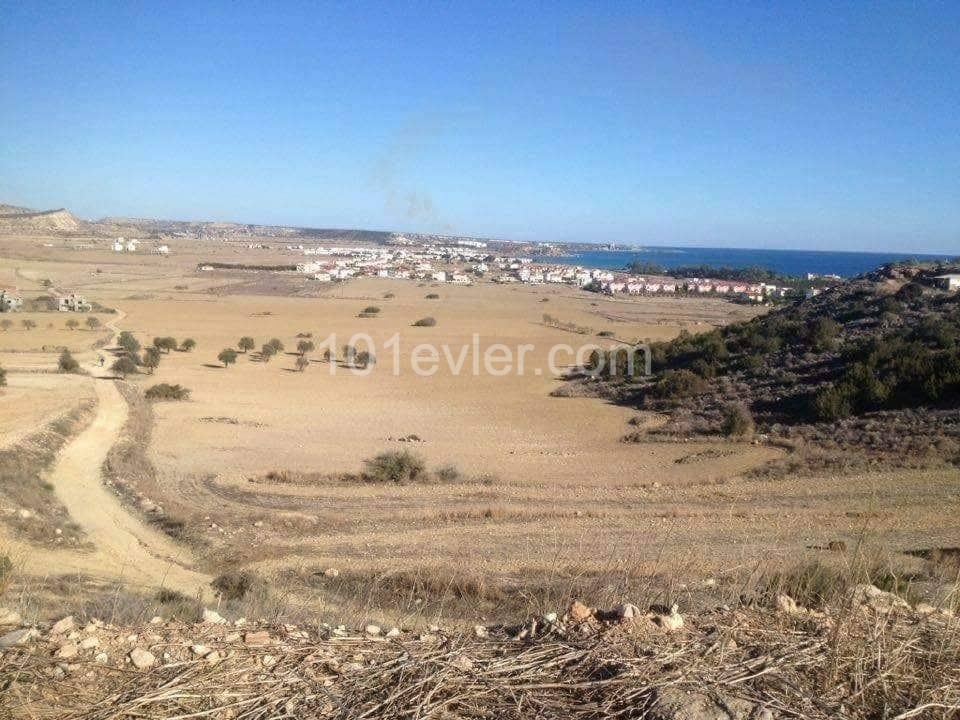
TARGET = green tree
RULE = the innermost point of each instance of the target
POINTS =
(128, 342)
(67, 363)
(228, 356)
(276, 345)
(302, 363)
(151, 358)
(165, 343)
(124, 366)
(305, 346)
(246, 343)
(92, 322)
(737, 421)
(188, 344)
(72, 324)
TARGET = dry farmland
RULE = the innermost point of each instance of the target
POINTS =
(259, 469)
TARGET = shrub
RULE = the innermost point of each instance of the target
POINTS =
(363, 359)
(394, 466)
(6, 324)
(67, 363)
(151, 358)
(302, 362)
(425, 322)
(388, 296)
(606, 334)
(677, 384)
(92, 323)
(371, 310)
(832, 403)
(447, 473)
(165, 391)
(432, 296)
(124, 366)
(246, 343)
(72, 324)
(267, 352)
(3, 376)
(276, 345)
(188, 345)
(28, 324)
(235, 585)
(737, 421)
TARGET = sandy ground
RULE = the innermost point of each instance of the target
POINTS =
(545, 481)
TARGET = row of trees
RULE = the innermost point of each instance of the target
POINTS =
(352, 356)
(91, 322)
(133, 359)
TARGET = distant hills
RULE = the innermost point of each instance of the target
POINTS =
(19, 219)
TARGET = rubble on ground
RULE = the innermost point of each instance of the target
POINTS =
(747, 663)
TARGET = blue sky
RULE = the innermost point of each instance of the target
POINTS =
(817, 125)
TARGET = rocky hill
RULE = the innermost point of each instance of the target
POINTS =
(15, 219)
(868, 370)
(871, 656)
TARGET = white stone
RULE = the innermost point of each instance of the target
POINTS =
(9, 617)
(212, 616)
(62, 626)
(331, 572)
(101, 658)
(88, 643)
(67, 651)
(142, 659)
(18, 637)
(393, 632)
(372, 629)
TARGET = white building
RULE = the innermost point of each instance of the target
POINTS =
(10, 300)
(439, 276)
(950, 281)
(161, 250)
(73, 303)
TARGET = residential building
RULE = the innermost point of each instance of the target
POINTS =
(10, 300)
(72, 303)
(950, 281)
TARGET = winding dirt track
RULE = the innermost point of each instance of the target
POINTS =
(126, 548)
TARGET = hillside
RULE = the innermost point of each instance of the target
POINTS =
(872, 366)
(15, 219)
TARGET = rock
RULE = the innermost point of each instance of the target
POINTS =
(669, 622)
(88, 643)
(837, 546)
(923, 608)
(9, 617)
(24, 514)
(18, 637)
(62, 626)
(626, 612)
(710, 582)
(679, 705)
(331, 572)
(156, 620)
(349, 667)
(212, 616)
(550, 618)
(199, 650)
(142, 659)
(579, 612)
(213, 657)
(372, 629)
(874, 597)
(101, 658)
(393, 632)
(261, 637)
(480, 631)
(231, 637)
(67, 651)
(268, 661)
(258, 523)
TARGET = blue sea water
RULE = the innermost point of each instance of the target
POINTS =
(787, 262)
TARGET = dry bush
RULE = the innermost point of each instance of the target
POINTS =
(165, 391)
(394, 467)
(425, 322)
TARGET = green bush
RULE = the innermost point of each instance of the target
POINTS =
(395, 467)
(676, 384)
(165, 391)
(67, 363)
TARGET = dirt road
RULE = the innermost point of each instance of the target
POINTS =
(126, 548)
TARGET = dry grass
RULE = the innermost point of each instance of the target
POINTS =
(33, 510)
(856, 665)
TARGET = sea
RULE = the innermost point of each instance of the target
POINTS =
(786, 262)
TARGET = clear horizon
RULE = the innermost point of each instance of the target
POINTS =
(827, 126)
